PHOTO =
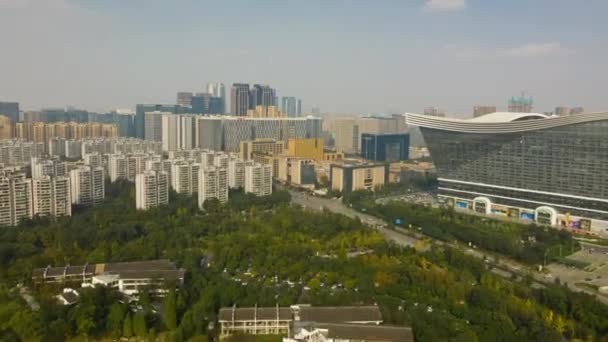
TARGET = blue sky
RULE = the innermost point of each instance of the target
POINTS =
(345, 56)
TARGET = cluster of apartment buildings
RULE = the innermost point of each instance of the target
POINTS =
(51, 190)
(196, 172)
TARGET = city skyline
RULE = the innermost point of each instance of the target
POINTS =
(453, 54)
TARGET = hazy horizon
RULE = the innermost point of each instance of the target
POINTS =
(348, 56)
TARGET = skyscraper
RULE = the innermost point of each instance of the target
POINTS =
(577, 110)
(184, 98)
(261, 95)
(15, 200)
(239, 99)
(218, 91)
(201, 103)
(6, 128)
(291, 106)
(10, 109)
(562, 111)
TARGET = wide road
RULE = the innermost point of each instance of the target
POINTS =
(504, 263)
(336, 206)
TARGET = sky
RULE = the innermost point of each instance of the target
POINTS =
(343, 56)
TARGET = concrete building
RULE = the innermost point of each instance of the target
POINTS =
(51, 196)
(151, 189)
(43, 132)
(129, 278)
(239, 99)
(11, 110)
(18, 152)
(265, 112)
(41, 167)
(118, 167)
(562, 111)
(6, 127)
(434, 111)
(217, 104)
(258, 179)
(347, 177)
(178, 132)
(261, 95)
(385, 147)
(184, 98)
(301, 172)
(291, 106)
(185, 176)
(520, 104)
(347, 135)
(154, 125)
(551, 170)
(15, 200)
(577, 110)
(209, 133)
(306, 148)
(249, 147)
(213, 183)
(87, 185)
(483, 110)
(93, 159)
(236, 172)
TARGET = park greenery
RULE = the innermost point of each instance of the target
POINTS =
(530, 244)
(265, 251)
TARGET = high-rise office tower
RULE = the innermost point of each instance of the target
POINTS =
(239, 99)
(154, 125)
(87, 185)
(213, 183)
(434, 111)
(520, 104)
(51, 196)
(218, 91)
(261, 95)
(151, 189)
(201, 103)
(291, 106)
(11, 110)
(258, 179)
(483, 110)
(6, 127)
(184, 98)
(15, 200)
(178, 132)
(209, 133)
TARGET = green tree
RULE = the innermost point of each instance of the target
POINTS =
(115, 320)
(139, 324)
(127, 328)
(170, 311)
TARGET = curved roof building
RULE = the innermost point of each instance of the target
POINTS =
(531, 166)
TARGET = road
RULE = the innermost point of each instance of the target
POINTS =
(336, 206)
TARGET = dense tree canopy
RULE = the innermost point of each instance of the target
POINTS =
(264, 251)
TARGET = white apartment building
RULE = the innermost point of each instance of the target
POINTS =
(51, 196)
(154, 125)
(151, 189)
(258, 179)
(213, 183)
(185, 176)
(87, 185)
(15, 200)
(236, 172)
(118, 167)
(93, 159)
(47, 167)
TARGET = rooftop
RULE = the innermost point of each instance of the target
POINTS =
(367, 332)
(250, 314)
(340, 314)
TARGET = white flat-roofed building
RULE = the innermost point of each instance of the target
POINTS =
(51, 196)
(213, 183)
(185, 176)
(87, 185)
(15, 199)
(151, 189)
(258, 179)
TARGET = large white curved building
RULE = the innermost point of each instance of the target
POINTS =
(553, 170)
